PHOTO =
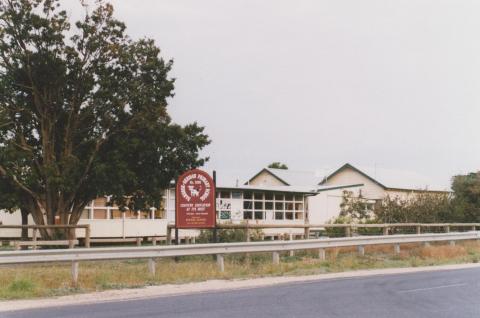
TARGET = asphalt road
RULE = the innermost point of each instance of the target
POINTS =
(438, 294)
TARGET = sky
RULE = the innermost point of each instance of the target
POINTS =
(316, 84)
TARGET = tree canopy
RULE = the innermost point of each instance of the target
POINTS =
(83, 113)
(278, 165)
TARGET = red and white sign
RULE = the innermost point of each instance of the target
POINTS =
(195, 200)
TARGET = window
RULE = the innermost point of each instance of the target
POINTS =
(225, 215)
(299, 198)
(131, 214)
(258, 215)
(236, 195)
(288, 215)
(247, 215)
(85, 214)
(278, 215)
(225, 195)
(299, 206)
(100, 214)
(258, 196)
(279, 197)
(144, 214)
(289, 197)
(247, 195)
(247, 205)
(160, 213)
(258, 205)
(298, 215)
(289, 206)
(278, 205)
(268, 196)
(268, 205)
(116, 214)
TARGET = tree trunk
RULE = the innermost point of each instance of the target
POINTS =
(24, 214)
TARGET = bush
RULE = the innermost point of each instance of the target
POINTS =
(229, 235)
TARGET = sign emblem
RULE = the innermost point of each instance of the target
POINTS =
(195, 200)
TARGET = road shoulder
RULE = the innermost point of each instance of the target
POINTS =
(207, 286)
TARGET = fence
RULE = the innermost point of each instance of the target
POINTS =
(35, 229)
(152, 252)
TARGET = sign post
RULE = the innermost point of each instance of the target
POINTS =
(195, 201)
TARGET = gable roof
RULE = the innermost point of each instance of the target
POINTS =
(390, 179)
(268, 170)
(349, 166)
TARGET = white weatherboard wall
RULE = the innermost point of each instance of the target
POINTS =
(370, 190)
(325, 206)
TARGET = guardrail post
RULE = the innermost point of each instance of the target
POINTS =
(154, 241)
(292, 252)
(385, 230)
(169, 235)
(419, 229)
(321, 254)
(348, 231)
(447, 229)
(34, 238)
(139, 241)
(151, 267)
(75, 273)
(87, 236)
(473, 228)
(452, 243)
(71, 243)
(361, 250)
(276, 258)
(396, 248)
(220, 263)
(306, 233)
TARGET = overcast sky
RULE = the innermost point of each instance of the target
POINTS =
(315, 84)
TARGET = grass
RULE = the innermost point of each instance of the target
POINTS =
(32, 281)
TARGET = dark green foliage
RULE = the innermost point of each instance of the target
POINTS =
(278, 165)
(466, 202)
(229, 235)
(83, 113)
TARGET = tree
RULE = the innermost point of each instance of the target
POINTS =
(466, 199)
(278, 165)
(83, 113)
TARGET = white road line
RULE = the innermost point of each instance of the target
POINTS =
(429, 288)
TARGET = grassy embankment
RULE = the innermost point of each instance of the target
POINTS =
(30, 281)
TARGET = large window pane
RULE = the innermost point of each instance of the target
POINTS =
(258, 196)
(289, 206)
(258, 215)
(247, 195)
(278, 205)
(225, 194)
(247, 205)
(116, 214)
(299, 206)
(278, 215)
(247, 215)
(268, 196)
(289, 215)
(258, 205)
(100, 214)
(268, 205)
(289, 197)
(279, 197)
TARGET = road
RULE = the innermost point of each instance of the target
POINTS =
(449, 294)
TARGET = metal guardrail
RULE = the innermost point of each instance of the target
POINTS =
(152, 252)
(349, 229)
